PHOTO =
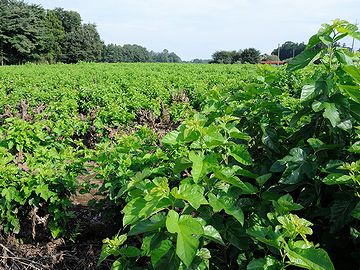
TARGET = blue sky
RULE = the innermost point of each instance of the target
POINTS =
(197, 28)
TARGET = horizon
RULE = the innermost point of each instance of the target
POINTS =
(196, 29)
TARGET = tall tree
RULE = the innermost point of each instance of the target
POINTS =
(55, 35)
(83, 44)
(22, 31)
(226, 57)
(135, 53)
(289, 50)
(174, 58)
(71, 20)
(250, 55)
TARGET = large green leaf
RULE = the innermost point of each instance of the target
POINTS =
(352, 91)
(356, 211)
(240, 153)
(139, 208)
(302, 59)
(228, 204)
(211, 233)
(181, 164)
(160, 252)
(337, 179)
(194, 194)
(197, 166)
(340, 213)
(267, 235)
(227, 175)
(171, 138)
(308, 92)
(267, 263)
(353, 71)
(332, 113)
(310, 258)
(188, 230)
(154, 223)
(343, 57)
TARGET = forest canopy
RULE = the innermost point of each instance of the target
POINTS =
(30, 33)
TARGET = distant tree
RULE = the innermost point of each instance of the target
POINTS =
(113, 53)
(55, 35)
(164, 57)
(135, 53)
(83, 44)
(200, 61)
(289, 49)
(226, 57)
(71, 20)
(29, 33)
(250, 55)
(22, 31)
(174, 58)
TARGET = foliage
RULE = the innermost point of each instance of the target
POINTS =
(255, 177)
(226, 57)
(250, 55)
(212, 166)
(289, 50)
(29, 33)
(22, 30)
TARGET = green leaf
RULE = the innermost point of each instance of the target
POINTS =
(342, 57)
(132, 210)
(270, 138)
(156, 222)
(43, 191)
(172, 221)
(340, 213)
(171, 138)
(211, 233)
(227, 204)
(267, 263)
(266, 235)
(302, 59)
(354, 72)
(332, 114)
(356, 211)
(317, 106)
(194, 194)
(160, 252)
(139, 208)
(261, 180)
(307, 92)
(118, 265)
(227, 175)
(188, 230)
(355, 148)
(240, 153)
(197, 166)
(310, 258)
(111, 247)
(131, 252)
(352, 91)
(337, 179)
(285, 204)
(181, 164)
(315, 143)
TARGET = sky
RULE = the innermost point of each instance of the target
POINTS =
(198, 28)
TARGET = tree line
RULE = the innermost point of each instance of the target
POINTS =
(30, 33)
(251, 55)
